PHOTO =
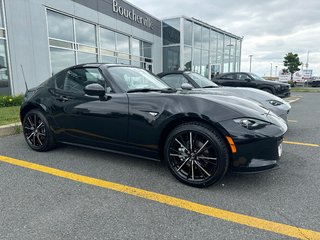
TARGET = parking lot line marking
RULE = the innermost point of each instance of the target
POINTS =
(292, 100)
(294, 121)
(302, 144)
(238, 218)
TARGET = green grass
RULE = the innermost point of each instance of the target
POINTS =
(9, 115)
(305, 89)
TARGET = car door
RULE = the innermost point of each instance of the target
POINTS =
(227, 80)
(89, 120)
(244, 80)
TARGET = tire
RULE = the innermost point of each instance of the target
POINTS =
(201, 163)
(36, 131)
(268, 90)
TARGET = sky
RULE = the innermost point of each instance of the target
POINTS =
(270, 28)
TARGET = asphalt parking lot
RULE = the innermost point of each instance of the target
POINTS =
(43, 203)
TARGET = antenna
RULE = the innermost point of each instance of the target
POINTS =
(24, 78)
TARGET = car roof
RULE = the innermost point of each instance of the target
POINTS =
(101, 64)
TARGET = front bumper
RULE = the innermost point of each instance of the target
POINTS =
(256, 157)
(257, 150)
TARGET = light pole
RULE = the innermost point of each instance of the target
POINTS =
(276, 71)
(250, 56)
(271, 70)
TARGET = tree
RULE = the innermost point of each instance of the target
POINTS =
(292, 62)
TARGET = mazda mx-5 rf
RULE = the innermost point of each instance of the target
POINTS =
(128, 110)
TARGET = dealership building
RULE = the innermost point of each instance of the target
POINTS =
(38, 38)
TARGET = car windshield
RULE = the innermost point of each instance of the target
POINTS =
(255, 76)
(202, 81)
(130, 79)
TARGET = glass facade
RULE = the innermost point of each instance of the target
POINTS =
(192, 45)
(73, 41)
(4, 69)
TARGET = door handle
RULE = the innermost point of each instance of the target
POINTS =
(62, 98)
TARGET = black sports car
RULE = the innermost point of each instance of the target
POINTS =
(244, 79)
(128, 110)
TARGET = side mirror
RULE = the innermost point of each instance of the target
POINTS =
(94, 89)
(186, 86)
(248, 80)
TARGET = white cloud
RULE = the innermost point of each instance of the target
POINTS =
(271, 28)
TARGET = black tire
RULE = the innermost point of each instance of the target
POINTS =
(201, 163)
(269, 90)
(36, 131)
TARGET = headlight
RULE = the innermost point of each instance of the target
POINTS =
(251, 123)
(275, 102)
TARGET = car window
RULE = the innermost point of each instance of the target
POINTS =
(256, 77)
(131, 78)
(174, 80)
(201, 80)
(75, 80)
(227, 76)
(242, 76)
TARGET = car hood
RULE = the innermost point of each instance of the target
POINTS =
(249, 93)
(244, 107)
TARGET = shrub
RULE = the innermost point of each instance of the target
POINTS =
(8, 101)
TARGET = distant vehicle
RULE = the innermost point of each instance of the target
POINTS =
(314, 82)
(244, 79)
(269, 101)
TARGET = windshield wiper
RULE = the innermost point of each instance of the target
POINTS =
(143, 90)
(209, 87)
(164, 90)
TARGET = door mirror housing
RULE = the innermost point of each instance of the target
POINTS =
(95, 89)
(186, 86)
(248, 80)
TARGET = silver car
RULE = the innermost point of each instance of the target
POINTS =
(267, 100)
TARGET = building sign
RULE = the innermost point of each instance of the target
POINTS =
(125, 12)
(131, 14)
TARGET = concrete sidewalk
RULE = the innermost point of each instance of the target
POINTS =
(10, 129)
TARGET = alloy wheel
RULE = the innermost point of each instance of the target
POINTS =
(193, 156)
(35, 131)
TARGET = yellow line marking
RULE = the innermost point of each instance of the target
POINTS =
(242, 219)
(302, 144)
(292, 100)
(294, 121)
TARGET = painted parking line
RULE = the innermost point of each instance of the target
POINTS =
(302, 144)
(293, 121)
(292, 100)
(242, 219)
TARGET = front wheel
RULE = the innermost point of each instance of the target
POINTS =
(269, 90)
(37, 132)
(196, 154)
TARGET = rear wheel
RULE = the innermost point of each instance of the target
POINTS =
(196, 154)
(36, 131)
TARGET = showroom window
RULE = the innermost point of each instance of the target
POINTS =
(86, 42)
(171, 31)
(171, 58)
(187, 26)
(108, 45)
(4, 70)
(73, 41)
(197, 35)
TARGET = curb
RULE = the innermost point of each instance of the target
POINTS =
(10, 129)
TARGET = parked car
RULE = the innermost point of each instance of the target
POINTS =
(269, 101)
(244, 79)
(128, 110)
